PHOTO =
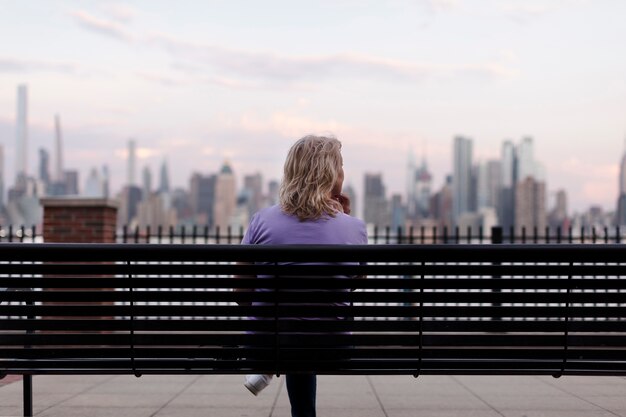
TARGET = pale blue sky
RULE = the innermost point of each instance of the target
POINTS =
(199, 81)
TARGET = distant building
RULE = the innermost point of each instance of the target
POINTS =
(147, 183)
(375, 205)
(348, 190)
(530, 206)
(506, 202)
(164, 179)
(152, 212)
(129, 199)
(202, 198)
(253, 190)
(21, 145)
(132, 163)
(58, 163)
(93, 185)
(71, 182)
(2, 182)
(225, 196)
(462, 176)
(620, 215)
(558, 217)
(418, 190)
(441, 205)
(272, 194)
(398, 212)
(44, 167)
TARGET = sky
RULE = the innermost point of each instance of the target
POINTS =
(196, 83)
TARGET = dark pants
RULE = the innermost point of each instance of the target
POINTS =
(302, 389)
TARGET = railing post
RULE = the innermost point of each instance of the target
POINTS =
(496, 239)
(496, 234)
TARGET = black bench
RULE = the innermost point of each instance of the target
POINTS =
(423, 309)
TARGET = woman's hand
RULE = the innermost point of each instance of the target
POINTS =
(344, 200)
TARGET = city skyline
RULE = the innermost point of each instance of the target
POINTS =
(225, 82)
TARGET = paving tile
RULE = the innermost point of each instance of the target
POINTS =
(214, 411)
(10, 411)
(243, 400)
(441, 413)
(552, 413)
(95, 399)
(63, 411)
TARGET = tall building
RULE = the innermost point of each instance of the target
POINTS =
(106, 192)
(375, 205)
(93, 185)
(21, 146)
(506, 203)
(620, 215)
(488, 184)
(530, 206)
(348, 190)
(164, 179)
(441, 205)
(225, 196)
(462, 176)
(272, 194)
(58, 162)
(71, 182)
(147, 183)
(253, 191)
(526, 166)
(201, 199)
(44, 167)
(558, 216)
(419, 182)
(2, 199)
(2, 185)
(132, 163)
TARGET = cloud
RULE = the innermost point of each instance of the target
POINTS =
(25, 65)
(245, 69)
(120, 12)
(102, 26)
(271, 66)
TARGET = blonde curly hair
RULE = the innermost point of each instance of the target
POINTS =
(311, 170)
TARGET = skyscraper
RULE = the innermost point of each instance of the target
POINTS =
(620, 216)
(526, 166)
(164, 178)
(202, 198)
(253, 190)
(2, 201)
(506, 203)
(44, 167)
(21, 146)
(147, 183)
(462, 176)
(530, 205)
(58, 162)
(225, 196)
(375, 205)
(132, 160)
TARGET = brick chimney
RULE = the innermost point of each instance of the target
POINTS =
(79, 220)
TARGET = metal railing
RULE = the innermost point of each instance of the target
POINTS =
(203, 234)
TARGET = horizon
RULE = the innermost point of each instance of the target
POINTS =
(240, 81)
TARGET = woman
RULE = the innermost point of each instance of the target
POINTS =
(311, 210)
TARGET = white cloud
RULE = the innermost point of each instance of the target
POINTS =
(120, 12)
(102, 26)
(28, 65)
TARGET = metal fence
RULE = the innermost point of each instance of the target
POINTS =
(202, 234)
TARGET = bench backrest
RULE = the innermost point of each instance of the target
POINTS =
(437, 309)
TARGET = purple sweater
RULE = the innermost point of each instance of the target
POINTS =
(271, 226)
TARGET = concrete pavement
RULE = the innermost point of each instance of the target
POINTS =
(338, 396)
